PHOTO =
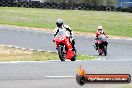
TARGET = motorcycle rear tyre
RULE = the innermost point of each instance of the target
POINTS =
(73, 59)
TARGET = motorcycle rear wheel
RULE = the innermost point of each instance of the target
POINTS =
(73, 59)
(100, 53)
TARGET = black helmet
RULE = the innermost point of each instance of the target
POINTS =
(59, 23)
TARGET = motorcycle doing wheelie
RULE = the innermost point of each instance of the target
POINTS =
(64, 47)
(102, 44)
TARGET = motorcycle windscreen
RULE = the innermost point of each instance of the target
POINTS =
(62, 33)
(102, 38)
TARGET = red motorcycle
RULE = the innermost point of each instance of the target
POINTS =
(64, 47)
(102, 44)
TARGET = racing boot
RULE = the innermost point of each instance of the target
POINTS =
(95, 46)
(74, 49)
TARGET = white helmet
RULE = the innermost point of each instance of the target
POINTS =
(100, 27)
(59, 22)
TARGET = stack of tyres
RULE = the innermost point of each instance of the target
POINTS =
(15, 4)
(121, 9)
(87, 6)
(44, 4)
(65, 6)
(35, 4)
(130, 9)
(53, 5)
(101, 8)
(30, 4)
(47, 5)
(106, 8)
(41, 5)
(8, 3)
(118, 9)
(62, 6)
(126, 9)
(25, 4)
(19, 4)
(2, 3)
(83, 6)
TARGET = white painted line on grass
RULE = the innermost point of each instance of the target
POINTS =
(23, 48)
(39, 50)
(17, 47)
(101, 59)
(32, 49)
(11, 46)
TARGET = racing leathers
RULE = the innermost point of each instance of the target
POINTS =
(66, 29)
(98, 32)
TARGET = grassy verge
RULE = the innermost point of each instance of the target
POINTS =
(115, 23)
(129, 86)
(12, 54)
(125, 86)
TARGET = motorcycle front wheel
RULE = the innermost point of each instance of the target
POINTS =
(61, 52)
(105, 50)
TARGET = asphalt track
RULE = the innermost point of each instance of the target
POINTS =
(56, 74)
(118, 49)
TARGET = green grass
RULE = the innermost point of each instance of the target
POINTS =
(114, 23)
(12, 54)
(85, 57)
(130, 86)
(125, 86)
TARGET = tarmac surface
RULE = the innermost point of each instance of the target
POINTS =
(56, 74)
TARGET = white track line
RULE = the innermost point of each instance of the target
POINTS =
(11, 46)
(101, 59)
(66, 60)
(15, 62)
(127, 39)
(60, 76)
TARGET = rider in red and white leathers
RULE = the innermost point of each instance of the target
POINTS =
(65, 28)
(99, 32)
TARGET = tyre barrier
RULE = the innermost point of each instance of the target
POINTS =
(8, 3)
(108, 8)
(120, 9)
(63, 6)
(53, 5)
